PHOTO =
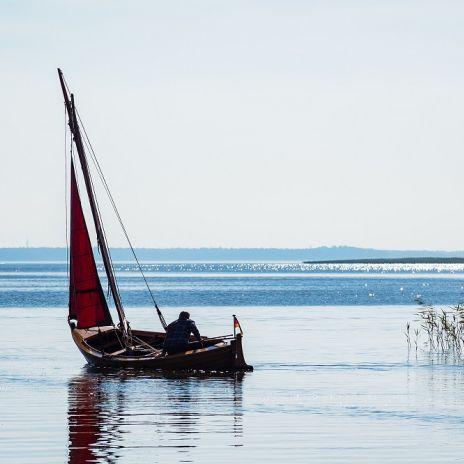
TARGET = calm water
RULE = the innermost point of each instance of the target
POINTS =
(333, 380)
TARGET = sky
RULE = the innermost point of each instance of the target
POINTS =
(240, 123)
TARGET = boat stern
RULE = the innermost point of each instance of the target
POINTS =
(239, 362)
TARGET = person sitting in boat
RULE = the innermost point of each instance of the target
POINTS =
(178, 335)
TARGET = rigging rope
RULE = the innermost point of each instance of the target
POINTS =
(103, 232)
(66, 186)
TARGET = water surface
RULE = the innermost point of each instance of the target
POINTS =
(332, 383)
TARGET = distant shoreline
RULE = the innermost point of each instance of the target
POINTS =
(317, 255)
(418, 260)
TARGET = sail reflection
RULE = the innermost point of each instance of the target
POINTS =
(119, 414)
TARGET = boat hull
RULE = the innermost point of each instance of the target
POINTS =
(220, 357)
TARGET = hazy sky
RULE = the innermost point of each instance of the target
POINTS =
(240, 123)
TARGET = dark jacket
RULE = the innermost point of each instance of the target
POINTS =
(178, 333)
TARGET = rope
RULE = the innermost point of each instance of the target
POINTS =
(66, 186)
(142, 342)
(117, 336)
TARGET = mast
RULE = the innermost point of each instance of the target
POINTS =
(103, 245)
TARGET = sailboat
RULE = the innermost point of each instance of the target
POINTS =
(101, 341)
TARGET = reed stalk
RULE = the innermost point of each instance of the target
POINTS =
(443, 329)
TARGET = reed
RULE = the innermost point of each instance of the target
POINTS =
(443, 329)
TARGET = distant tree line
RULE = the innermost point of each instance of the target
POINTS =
(319, 254)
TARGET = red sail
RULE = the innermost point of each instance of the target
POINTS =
(87, 302)
(85, 413)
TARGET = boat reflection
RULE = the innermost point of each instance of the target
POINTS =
(119, 414)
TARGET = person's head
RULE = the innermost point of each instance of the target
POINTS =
(184, 315)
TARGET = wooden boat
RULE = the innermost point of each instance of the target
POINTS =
(99, 339)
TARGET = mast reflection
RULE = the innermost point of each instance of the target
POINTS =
(112, 414)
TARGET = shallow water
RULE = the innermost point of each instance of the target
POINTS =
(331, 384)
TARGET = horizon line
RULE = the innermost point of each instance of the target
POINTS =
(236, 248)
